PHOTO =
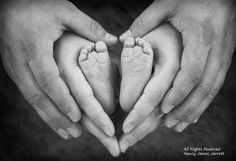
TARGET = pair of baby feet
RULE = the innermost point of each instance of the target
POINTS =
(136, 67)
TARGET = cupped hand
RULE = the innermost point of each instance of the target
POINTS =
(208, 33)
(94, 118)
(29, 29)
(146, 115)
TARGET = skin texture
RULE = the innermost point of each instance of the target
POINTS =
(95, 63)
(29, 29)
(136, 67)
(69, 49)
(207, 28)
(166, 45)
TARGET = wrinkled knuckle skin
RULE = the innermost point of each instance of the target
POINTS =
(137, 23)
(187, 115)
(96, 28)
(45, 79)
(214, 92)
(140, 20)
(206, 88)
(135, 135)
(37, 100)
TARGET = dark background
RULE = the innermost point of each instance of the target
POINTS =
(24, 136)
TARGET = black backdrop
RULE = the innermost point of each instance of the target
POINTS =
(24, 136)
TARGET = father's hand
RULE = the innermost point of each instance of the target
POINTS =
(208, 31)
(29, 29)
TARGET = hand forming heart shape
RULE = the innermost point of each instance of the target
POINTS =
(89, 65)
(208, 36)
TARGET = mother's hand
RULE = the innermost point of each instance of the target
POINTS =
(208, 31)
(94, 118)
(29, 29)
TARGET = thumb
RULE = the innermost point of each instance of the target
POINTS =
(83, 25)
(150, 18)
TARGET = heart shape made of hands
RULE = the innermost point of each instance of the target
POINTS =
(92, 62)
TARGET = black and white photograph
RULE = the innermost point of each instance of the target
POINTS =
(117, 80)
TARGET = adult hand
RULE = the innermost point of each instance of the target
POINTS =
(29, 29)
(166, 44)
(66, 54)
(208, 33)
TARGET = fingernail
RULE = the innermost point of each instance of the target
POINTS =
(181, 126)
(172, 123)
(195, 121)
(125, 35)
(128, 128)
(168, 108)
(111, 37)
(123, 147)
(108, 131)
(72, 117)
(73, 131)
(63, 133)
(113, 152)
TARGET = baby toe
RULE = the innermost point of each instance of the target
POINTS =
(147, 48)
(83, 55)
(101, 46)
(82, 58)
(139, 41)
(92, 57)
(84, 51)
(129, 42)
(90, 47)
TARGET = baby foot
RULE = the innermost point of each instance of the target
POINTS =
(136, 67)
(95, 64)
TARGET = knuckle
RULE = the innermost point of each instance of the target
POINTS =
(214, 92)
(187, 115)
(176, 99)
(45, 80)
(139, 22)
(96, 28)
(135, 135)
(97, 117)
(28, 45)
(37, 100)
(194, 74)
(206, 88)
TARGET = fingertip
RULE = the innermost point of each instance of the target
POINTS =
(166, 109)
(74, 116)
(74, 131)
(116, 150)
(123, 145)
(181, 126)
(125, 35)
(127, 128)
(62, 133)
(195, 121)
(110, 131)
(110, 39)
(169, 123)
